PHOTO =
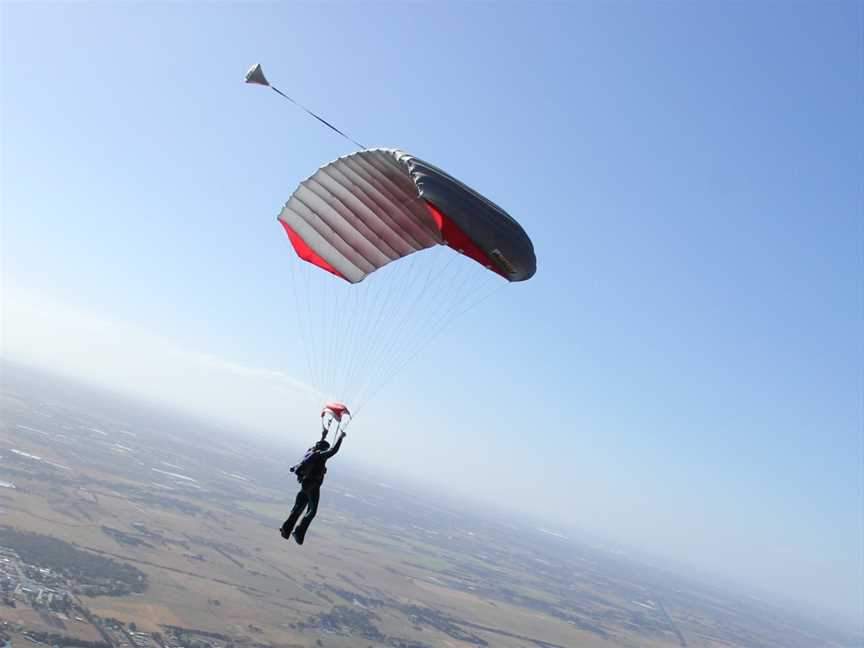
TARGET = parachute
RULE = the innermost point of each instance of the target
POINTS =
(370, 208)
(393, 248)
(375, 220)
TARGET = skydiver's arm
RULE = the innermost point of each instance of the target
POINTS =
(332, 451)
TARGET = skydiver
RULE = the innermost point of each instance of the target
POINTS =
(310, 473)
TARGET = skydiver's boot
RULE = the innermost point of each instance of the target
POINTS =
(298, 537)
(286, 528)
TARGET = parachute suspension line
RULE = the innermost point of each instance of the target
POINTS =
(441, 295)
(390, 327)
(356, 343)
(444, 312)
(347, 324)
(332, 315)
(320, 119)
(367, 303)
(324, 301)
(394, 345)
(314, 304)
(311, 308)
(351, 316)
(299, 313)
(304, 310)
(420, 347)
(385, 338)
(459, 306)
(374, 323)
(320, 293)
(335, 309)
(344, 344)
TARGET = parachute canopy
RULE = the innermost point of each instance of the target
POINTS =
(364, 210)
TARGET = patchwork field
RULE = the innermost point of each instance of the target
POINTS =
(198, 517)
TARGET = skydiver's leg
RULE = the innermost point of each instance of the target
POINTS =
(314, 493)
(299, 504)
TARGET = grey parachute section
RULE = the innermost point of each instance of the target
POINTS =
(367, 209)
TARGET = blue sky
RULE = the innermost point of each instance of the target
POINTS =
(683, 374)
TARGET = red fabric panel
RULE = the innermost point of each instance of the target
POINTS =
(459, 241)
(338, 410)
(306, 253)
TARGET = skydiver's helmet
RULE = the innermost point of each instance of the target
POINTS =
(321, 446)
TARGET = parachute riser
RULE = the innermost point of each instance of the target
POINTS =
(327, 428)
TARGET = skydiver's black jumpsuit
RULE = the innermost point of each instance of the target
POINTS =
(310, 490)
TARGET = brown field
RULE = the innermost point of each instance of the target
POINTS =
(208, 544)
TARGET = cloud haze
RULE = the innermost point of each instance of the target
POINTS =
(46, 333)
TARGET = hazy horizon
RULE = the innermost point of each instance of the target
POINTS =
(684, 373)
(166, 417)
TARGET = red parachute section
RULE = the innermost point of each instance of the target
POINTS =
(459, 241)
(335, 411)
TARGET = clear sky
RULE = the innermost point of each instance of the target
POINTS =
(683, 374)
